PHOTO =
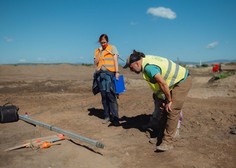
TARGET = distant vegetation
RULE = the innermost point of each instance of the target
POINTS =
(185, 64)
(204, 65)
(84, 64)
(224, 75)
(231, 63)
(29, 64)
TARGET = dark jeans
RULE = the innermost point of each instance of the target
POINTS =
(108, 94)
(110, 105)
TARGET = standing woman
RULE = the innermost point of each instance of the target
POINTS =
(106, 63)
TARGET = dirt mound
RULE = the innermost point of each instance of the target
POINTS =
(60, 95)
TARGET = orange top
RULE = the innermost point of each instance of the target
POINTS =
(106, 58)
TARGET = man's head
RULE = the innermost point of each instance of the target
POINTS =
(134, 61)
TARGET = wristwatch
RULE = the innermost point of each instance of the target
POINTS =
(167, 101)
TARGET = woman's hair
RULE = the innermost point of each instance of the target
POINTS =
(138, 54)
(103, 36)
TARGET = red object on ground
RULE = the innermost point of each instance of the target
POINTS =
(215, 68)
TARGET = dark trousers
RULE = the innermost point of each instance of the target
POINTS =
(108, 94)
(110, 105)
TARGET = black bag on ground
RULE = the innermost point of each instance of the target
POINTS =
(8, 113)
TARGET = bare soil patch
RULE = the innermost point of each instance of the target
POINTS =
(61, 95)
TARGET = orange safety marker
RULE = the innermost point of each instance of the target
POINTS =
(47, 144)
(38, 142)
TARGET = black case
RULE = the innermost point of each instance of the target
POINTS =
(8, 113)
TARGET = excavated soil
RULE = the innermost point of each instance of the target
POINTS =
(60, 95)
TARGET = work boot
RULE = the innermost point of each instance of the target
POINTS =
(116, 122)
(164, 147)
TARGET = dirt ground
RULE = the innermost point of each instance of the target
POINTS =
(60, 95)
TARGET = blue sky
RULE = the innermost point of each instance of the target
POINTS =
(58, 31)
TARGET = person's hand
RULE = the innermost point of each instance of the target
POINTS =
(168, 106)
(96, 60)
(117, 75)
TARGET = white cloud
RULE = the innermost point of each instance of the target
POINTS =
(212, 45)
(133, 23)
(8, 39)
(22, 61)
(162, 12)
